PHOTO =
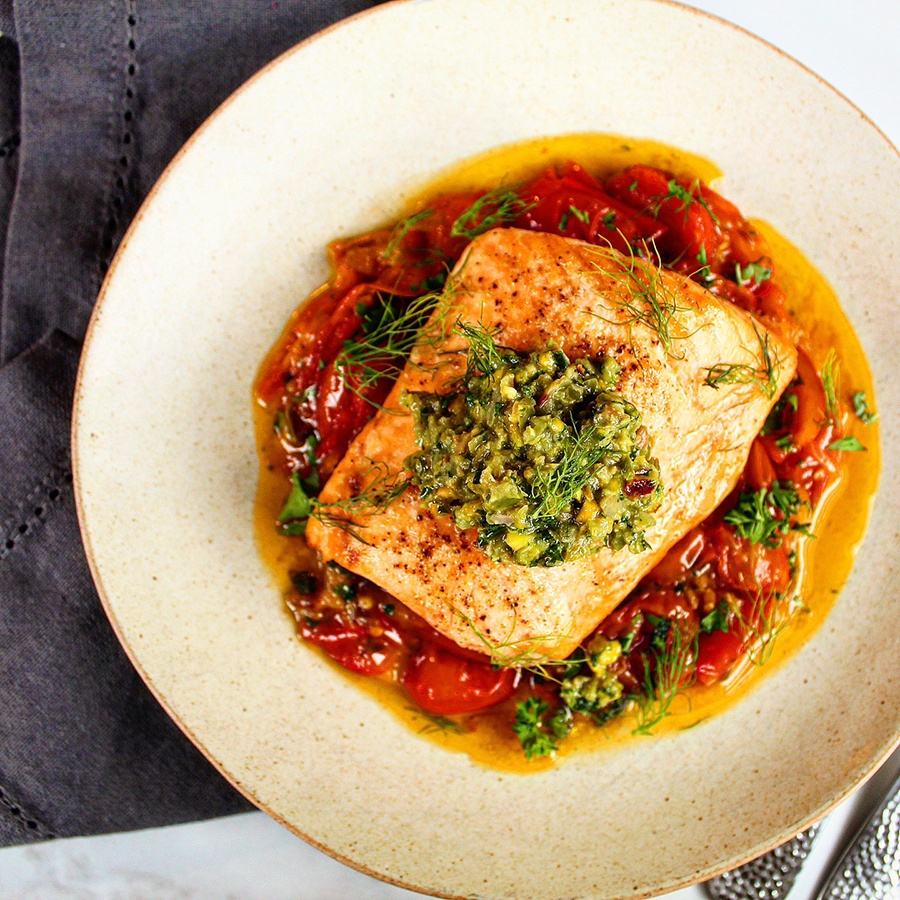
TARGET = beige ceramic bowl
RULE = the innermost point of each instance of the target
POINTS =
(328, 141)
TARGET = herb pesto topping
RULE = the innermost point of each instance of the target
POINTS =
(538, 453)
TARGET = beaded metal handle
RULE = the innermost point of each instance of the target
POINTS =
(869, 868)
(769, 877)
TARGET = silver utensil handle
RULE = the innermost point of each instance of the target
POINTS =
(869, 869)
(770, 876)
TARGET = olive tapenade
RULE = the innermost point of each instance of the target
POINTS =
(538, 453)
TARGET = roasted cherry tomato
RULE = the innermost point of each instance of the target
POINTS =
(691, 552)
(677, 204)
(445, 684)
(716, 654)
(368, 648)
(748, 567)
(572, 203)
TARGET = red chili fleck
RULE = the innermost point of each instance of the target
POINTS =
(639, 487)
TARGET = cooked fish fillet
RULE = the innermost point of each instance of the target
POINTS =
(671, 337)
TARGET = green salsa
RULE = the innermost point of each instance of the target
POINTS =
(538, 453)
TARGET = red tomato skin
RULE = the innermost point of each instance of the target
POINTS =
(572, 203)
(690, 229)
(353, 646)
(689, 553)
(444, 684)
(749, 567)
(716, 654)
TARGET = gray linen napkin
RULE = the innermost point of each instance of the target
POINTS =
(95, 98)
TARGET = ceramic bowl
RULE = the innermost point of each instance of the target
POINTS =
(329, 140)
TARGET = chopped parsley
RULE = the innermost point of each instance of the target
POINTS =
(346, 591)
(531, 729)
(580, 214)
(764, 517)
(775, 421)
(689, 196)
(704, 274)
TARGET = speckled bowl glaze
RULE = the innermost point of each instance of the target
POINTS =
(328, 141)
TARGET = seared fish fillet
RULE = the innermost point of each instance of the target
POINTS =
(670, 336)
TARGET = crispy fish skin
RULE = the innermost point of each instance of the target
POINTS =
(535, 288)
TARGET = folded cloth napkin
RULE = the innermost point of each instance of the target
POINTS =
(95, 99)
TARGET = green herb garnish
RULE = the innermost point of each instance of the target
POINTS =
(434, 723)
(580, 214)
(704, 275)
(764, 516)
(846, 444)
(501, 206)
(764, 377)
(664, 677)
(645, 297)
(391, 328)
(532, 730)
(688, 196)
(383, 489)
(717, 620)
(754, 271)
(861, 408)
(401, 229)
(831, 374)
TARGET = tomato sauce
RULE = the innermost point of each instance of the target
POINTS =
(724, 593)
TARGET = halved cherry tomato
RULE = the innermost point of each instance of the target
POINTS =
(689, 553)
(690, 231)
(572, 203)
(445, 684)
(370, 648)
(749, 567)
(759, 472)
(716, 654)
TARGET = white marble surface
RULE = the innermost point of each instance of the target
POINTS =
(854, 47)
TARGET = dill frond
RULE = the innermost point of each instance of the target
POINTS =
(501, 206)
(767, 618)
(383, 488)
(666, 681)
(484, 354)
(764, 377)
(392, 328)
(401, 229)
(561, 484)
(646, 298)
(435, 724)
(524, 654)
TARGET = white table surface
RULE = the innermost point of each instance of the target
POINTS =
(853, 45)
